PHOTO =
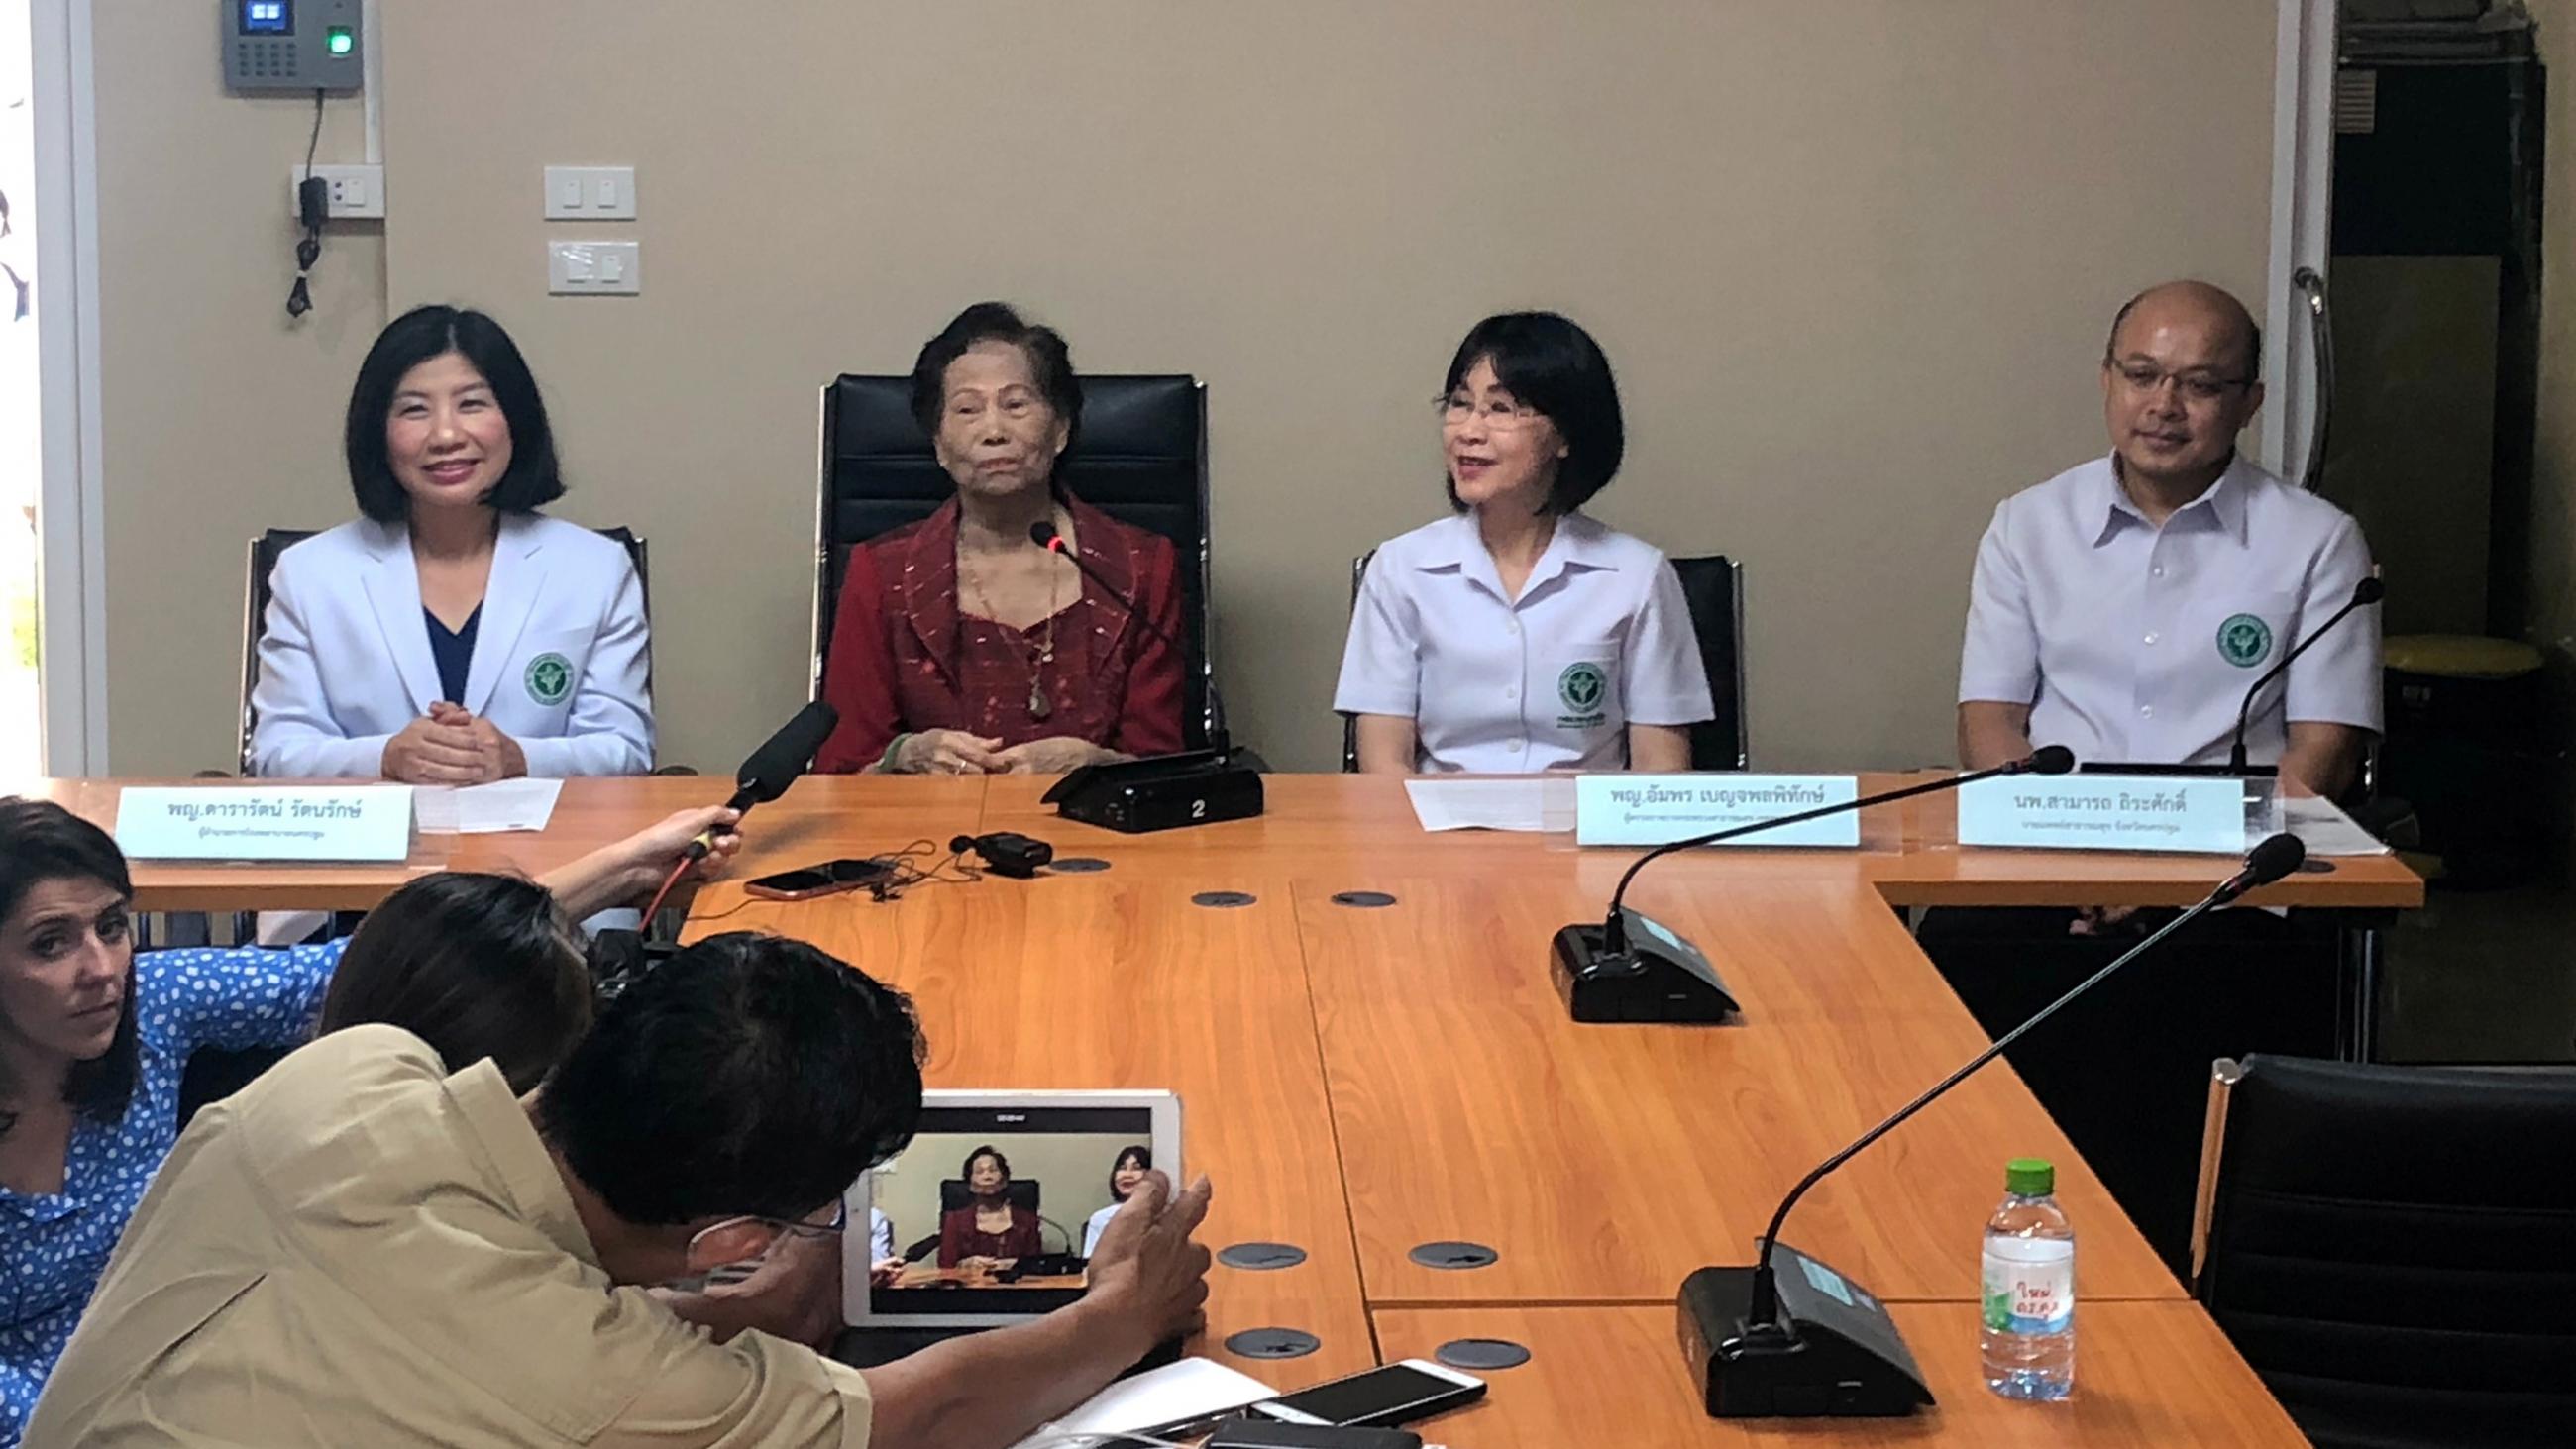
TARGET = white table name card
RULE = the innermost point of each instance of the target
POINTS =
(1660, 809)
(359, 823)
(2197, 815)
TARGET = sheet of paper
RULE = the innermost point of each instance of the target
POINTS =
(2325, 830)
(1529, 802)
(522, 804)
(1190, 1389)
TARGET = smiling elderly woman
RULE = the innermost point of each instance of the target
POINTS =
(962, 648)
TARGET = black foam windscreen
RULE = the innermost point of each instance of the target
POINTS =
(784, 757)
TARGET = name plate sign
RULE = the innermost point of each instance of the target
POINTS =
(266, 823)
(2106, 812)
(1660, 809)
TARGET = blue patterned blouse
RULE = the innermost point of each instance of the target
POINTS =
(54, 1246)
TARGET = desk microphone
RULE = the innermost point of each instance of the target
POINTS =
(1834, 1352)
(1607, 975)
(2369, 591)
(1194, 787)
(780, 762)
(1044, 535)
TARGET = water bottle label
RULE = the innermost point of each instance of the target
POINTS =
(2029, 1291)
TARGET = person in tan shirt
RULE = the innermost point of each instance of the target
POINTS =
(362, 1248)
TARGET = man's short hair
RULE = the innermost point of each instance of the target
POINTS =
(746, 1074)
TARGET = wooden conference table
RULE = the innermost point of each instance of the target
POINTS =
(1362, 1079)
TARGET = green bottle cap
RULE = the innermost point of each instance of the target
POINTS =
(2030, 1177)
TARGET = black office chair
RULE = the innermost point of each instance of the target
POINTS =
(1140, 457)
(264, 551)
(1713, 587)
(2393, 1249)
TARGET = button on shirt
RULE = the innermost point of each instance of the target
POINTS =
(360, 1249)
(1599, 639)
(2136, 643)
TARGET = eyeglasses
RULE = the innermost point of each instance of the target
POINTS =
(2146, 378)
(828, 1222)
(1502, 417)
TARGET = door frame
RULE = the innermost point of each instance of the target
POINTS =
(71, 543)
(2302, 220)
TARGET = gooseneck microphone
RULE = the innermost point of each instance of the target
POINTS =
(1157, 792)
(1604, 973)
(2364, 594)
(1754, 1358)
(2046, 760)
(780, 761)
(1043, 533)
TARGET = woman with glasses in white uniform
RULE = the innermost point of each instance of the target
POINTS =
(1520, 634)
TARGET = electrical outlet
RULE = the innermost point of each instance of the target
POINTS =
(594, 268)
(357, 192)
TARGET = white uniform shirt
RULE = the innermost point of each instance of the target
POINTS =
(1098, 1224)
(1599, 639)
(2135, 643)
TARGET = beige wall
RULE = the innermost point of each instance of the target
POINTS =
(2553, 524)
(2553, 493)
(221, 415)
(1852, 261)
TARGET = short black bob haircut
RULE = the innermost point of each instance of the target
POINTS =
(41, 841)
(745, 1074)
(1550, 364)
(533, 479)
(1050, 362)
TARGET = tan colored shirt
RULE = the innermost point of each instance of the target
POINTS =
(360, 1250)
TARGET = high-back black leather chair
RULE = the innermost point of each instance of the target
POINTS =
(2393, 1249)
(1713, 587)
(264, 551)
(1140, 456)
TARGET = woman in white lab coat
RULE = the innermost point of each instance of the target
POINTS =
(452, 635)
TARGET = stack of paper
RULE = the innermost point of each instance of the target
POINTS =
(1176, 1393)
(522, 804)
(2325, 829)
(1526, 802)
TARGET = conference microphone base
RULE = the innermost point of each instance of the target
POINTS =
(1832, 1353)
(1657, 977)
(1160, 792)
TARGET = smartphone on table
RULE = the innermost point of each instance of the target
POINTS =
(1398, 1393)
(829, 878)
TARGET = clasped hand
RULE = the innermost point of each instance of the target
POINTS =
(451, 746)
(956, 752)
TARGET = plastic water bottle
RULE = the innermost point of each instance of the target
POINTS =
(2028, 1333)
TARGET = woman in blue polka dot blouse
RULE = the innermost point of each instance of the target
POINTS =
(94, 1039)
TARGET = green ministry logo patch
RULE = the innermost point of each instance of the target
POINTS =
(2244, 640)
(1581, 689)
(549, 678)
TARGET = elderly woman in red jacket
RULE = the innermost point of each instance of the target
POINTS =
(962, 648)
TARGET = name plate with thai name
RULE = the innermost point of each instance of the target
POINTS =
(354, 823)
(1660, 809)
(2178, 814)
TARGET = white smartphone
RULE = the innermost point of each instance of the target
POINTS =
(1398, 1393)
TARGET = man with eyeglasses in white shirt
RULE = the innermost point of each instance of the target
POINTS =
(2122, 609)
